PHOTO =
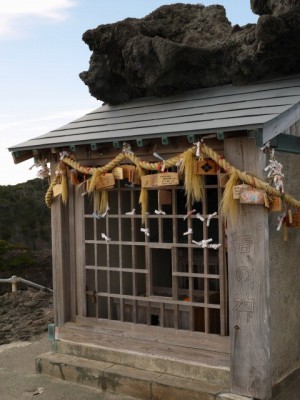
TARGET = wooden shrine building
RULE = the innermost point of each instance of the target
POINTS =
(151, 285)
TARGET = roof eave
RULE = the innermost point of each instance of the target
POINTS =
(281, 123)
(25, 146)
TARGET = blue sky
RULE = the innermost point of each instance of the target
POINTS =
(41, 55)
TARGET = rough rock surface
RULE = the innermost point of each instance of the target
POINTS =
(24, 314)
(183, 46)
(276, 7)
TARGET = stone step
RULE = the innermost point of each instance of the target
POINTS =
(162, 363)
(126, 381)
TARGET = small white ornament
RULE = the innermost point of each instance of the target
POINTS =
(105, 237)
(146, 231)
(131, 212)
(188, 232)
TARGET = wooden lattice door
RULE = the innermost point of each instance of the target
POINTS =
(164, 279)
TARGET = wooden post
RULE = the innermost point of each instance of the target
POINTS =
(61, 262)
(72, 251)
(14, 286)
(80, 253)
(248, 276)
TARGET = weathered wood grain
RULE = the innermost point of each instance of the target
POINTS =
(61, 262)
(248, 271)
(80, 253)
(186, 344)
(70, 286)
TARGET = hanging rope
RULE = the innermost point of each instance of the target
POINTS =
(221, 161)
(49, 194)
(252, 181)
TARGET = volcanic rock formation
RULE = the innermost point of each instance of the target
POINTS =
(183, 46)
(276, 7)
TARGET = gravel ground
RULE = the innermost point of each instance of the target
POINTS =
(19, 381)
(24, 314)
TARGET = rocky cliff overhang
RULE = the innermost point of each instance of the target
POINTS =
(183, 46)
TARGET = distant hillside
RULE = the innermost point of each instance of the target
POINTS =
(24, 216)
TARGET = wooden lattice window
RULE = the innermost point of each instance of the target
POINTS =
(163, 279)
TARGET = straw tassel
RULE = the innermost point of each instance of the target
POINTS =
(103, 202)
(93, 181)
(64, 186)
(229, 207)
(192, 182)
(97, 200)
(143, 200)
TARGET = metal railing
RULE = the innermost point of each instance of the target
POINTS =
(14, 280)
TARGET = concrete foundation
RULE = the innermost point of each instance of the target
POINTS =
(127, 381)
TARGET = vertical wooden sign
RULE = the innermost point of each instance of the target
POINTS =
(248, 277)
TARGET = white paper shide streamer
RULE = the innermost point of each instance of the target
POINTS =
(145, 231)
(131, 212)
(159, 212)
(105, 237)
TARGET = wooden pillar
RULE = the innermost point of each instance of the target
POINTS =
(80, 253)
(63, 259)
(248, 278)
(72, 252)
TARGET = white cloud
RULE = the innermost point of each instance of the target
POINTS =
(16, 129)
(14, 11)
(17, 120)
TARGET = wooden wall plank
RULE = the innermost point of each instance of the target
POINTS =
(61, 262)
(80, 253)
(72, 251)
(175, 257)
(248, 274)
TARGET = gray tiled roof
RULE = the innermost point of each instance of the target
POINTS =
(263, 105)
